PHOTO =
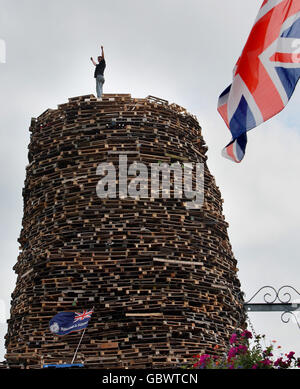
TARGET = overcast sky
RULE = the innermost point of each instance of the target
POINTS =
(180, 50)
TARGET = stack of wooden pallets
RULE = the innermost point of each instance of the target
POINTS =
(161, 277)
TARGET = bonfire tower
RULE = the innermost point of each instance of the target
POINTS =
(161, 277)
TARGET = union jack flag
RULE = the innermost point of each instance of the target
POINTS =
(64, 323)
(265, 75)
(82, 316)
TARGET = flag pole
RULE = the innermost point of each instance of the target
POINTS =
(74, 356)
(78, 346)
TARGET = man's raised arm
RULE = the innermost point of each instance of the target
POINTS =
(102, 52)
(93, 61)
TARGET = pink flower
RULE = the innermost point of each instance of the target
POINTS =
(266, 362)
(204, 359)
(277, 362)
(291, 355)
(242, 349)
(232, 352)
(254, 366)
(246, 334)
(233, 338)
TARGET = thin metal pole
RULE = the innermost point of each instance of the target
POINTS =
(80, 341)
(78, 346)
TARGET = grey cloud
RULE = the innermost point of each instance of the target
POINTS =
(183, 51)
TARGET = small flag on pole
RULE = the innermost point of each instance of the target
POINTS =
(265, 75)
(65, 322)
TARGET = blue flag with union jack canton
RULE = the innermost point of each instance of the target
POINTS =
(65, 322)
(265, 75)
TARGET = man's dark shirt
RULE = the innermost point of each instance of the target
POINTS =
(100, 68)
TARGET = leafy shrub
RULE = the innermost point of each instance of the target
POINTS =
(242, 355)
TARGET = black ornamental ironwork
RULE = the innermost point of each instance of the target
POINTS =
(280, 300)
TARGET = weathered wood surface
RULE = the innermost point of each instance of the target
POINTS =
(162, 278)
